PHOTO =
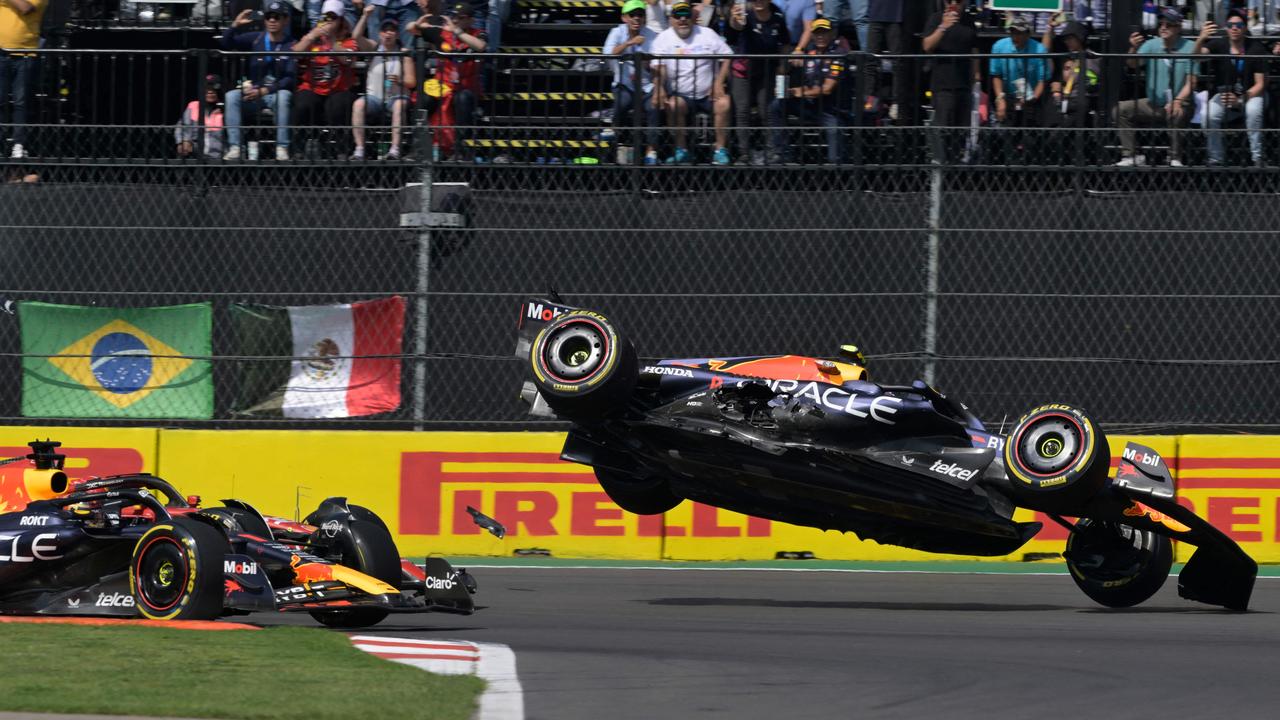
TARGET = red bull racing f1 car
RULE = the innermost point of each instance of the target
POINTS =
(132, 546)
(811, 441)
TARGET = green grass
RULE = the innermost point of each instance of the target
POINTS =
(283, 672)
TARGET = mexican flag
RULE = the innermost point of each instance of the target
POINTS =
(320, 361)
(99, 362)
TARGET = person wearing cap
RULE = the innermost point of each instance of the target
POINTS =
(387, 86)
(688, 78)
(327, 76)
(951, 32)
(268, 81)
(1168, 99)
(759, 29)
(1074, 79)
(657, 13)
(19, 30)
(1239, 83)
(631, 37)
(1018, 85)
(815, 99)
(202, 112)
(404, 12)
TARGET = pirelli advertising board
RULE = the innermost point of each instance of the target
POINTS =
(423, 483)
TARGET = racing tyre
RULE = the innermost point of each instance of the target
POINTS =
(1117, 565)
(367, 547)
(1056, 460)
(635, 495)
(176, 571)
(582, 366)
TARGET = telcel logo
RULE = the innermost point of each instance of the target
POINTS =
(122, 600)
(952, 470)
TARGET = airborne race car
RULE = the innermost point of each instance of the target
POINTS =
(131, 545)
(810, 441)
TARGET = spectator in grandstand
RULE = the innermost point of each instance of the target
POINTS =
(206, 112)
(1018, 84)
(387, 86)
(815, 100)
(760, 30)
(19, 30)
(1074, 79)
(885, 33)
(799, 15)
(1167, 100)
(326, 77)
(1239, 83)
(428, 24)
(403, 12)
(631, 37)
(691, 83)
(452, 95)
(951, 32)
(269, 81)
(657, 11)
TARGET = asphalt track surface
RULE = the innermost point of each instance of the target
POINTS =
(594, 643)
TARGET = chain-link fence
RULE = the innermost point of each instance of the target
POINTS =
(1010, 266)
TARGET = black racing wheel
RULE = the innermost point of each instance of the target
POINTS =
(582, 366)
(176, 571)
(1056, 459)
(636, 495)
(368, 547)
(1117, 565)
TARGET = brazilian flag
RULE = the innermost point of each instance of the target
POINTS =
(98, 362)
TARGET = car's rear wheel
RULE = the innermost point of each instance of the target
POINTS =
(582, 366)
(651, 496)
(1117, 565)
(368, 547)
(176, 571)
(1056, 459)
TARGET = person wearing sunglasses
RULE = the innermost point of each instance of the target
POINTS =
(690, 79)
(1239, 83)
(631, 37)
(1167, 100)
(269, 80)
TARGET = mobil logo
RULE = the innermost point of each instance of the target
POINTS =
(534, 494)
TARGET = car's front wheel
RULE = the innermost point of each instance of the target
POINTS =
(366, 546)
(1117, 565)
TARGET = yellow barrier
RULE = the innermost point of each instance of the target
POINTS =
(423, 483)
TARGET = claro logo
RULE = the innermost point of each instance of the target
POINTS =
(437, 487)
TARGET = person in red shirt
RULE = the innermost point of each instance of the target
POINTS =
(455, 91)
(326, 78)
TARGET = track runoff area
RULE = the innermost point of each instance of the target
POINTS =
(847, 639)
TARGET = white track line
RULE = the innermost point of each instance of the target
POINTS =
(503, 698)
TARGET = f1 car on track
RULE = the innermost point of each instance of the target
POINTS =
(810, 441)
(131, 545)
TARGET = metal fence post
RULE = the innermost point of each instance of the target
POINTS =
(930, 329)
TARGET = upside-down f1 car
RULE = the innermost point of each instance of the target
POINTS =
(810, 441)
(131, 545)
